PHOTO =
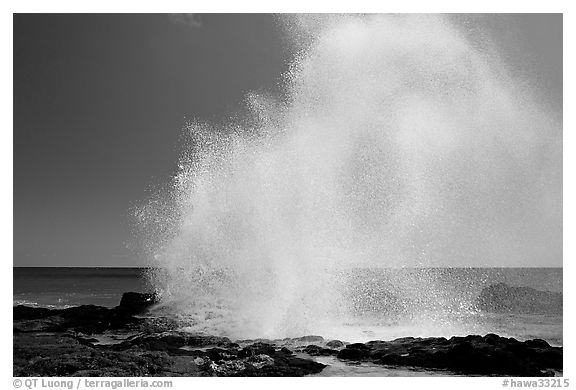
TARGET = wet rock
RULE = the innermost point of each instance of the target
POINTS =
(257, 349)
(502, 298)
(173, 342)
(288, 365)
(82, 339)
(22, 313)
(335, 344)
(491, 338)
(253, 341)
(40, 324)
(150, 346)
(315, 350)
(219, 354)
(159, 325)
(488, 355)
(260, 361)
(359, 346)
(356, 351)
(59, 355)
(309, 339)
(62, 355)
(88, 319)
(135, 302)
(537, 343)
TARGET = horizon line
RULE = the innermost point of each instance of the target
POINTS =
(132, 267)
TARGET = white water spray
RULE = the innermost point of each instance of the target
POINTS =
(400, 144)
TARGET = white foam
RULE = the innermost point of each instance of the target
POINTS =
(400, 143)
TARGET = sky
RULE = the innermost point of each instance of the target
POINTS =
(100, 102)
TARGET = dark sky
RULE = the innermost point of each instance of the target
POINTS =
(100, 101)
(99, 104)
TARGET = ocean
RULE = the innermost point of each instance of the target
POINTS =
(58, 288)
(445, 311)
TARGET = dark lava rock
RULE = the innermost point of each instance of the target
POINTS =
(252, 341)
(22, 312)
(501, 298)
(57, 343)
(173, 342)
(315, 350)
(54, 343)
(59, 355)
(137, 302)
(352, 354)
(335, 344)
(538, 343)
(488, 355)
(291, 366)
(356, 351)
(87, 319)
(257, 349)
(491, 338)
(309, 339)
(220, 354)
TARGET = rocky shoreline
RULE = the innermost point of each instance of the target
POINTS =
(66, 342)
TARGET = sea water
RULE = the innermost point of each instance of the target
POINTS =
(372, 319)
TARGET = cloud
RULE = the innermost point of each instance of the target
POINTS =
(192, 20)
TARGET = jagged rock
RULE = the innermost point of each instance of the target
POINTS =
(62, 355)
(154, 348)
(354, 352)
(335, 344)
(158, 350)
(309, 339)
(488, 355)
(88, 319)
(257, 349)
(501, 298)
(137, 302)
(59, 355)
(173, 342)
(315, 350)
